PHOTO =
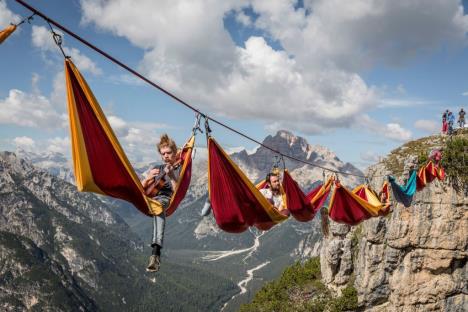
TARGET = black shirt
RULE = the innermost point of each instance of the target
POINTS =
(166, 190)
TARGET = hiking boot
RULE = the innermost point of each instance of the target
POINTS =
(153, 265)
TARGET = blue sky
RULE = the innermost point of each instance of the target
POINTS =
(358, 77)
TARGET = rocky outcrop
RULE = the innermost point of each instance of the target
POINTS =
(412, 260)
(32, 280)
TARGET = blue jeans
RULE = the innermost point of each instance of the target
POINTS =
(159, 222)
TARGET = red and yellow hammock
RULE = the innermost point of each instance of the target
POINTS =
(353, 207)
(237, 203)
(99, 162)
(304, 207)
(427, 174)
(366, 193)
(5, 33)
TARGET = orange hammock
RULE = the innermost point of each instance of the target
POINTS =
(349, 208)
(6, 32)
(427, 174)
(99, 162)
(303, 207)
(237, 203)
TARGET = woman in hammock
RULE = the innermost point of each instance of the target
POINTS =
(165, 178)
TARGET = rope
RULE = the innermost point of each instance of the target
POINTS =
(58, 40)
(134, 72)
(26, 19)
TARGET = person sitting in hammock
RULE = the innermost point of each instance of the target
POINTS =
(168, 175)
(273, 192)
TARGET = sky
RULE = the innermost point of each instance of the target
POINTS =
(359, 77)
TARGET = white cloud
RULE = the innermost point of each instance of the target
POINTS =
(119, 125)
(243, 18)
(58, 96)
(7, 16)
(400, 89)
(313, 84)
(29, 110)
(42, 39)
(58, 145)
(125, 79)
(357, 34)
(24, 143)
(137, 138)
(427, 125)
(402, 102)
(370, 157)
(33, 109)
(53, 145)
(396, 132)
(393, 131)
(465, 93)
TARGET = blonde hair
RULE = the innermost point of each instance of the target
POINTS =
(166, 141)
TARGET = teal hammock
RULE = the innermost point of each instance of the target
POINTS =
(404, 194)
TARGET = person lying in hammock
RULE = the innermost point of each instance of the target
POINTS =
(166, 177)
(273, 192)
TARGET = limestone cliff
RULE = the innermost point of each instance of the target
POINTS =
(415, 258)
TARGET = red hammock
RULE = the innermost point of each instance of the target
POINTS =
(100, 164)
(303, 207)
(237, 203)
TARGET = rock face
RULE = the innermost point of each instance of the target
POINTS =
(412, 260)
(52, 234)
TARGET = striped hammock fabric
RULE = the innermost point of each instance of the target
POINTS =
(5, 33)
(237, 204)
(99, 162)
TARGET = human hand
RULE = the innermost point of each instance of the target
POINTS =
(154, 172)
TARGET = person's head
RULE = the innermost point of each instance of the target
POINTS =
(461, 110)
(273, 181)
(167, 148)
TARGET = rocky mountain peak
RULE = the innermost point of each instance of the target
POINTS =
(55, 163)
(284, 141)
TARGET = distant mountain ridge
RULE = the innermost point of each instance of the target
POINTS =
(295, 146)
